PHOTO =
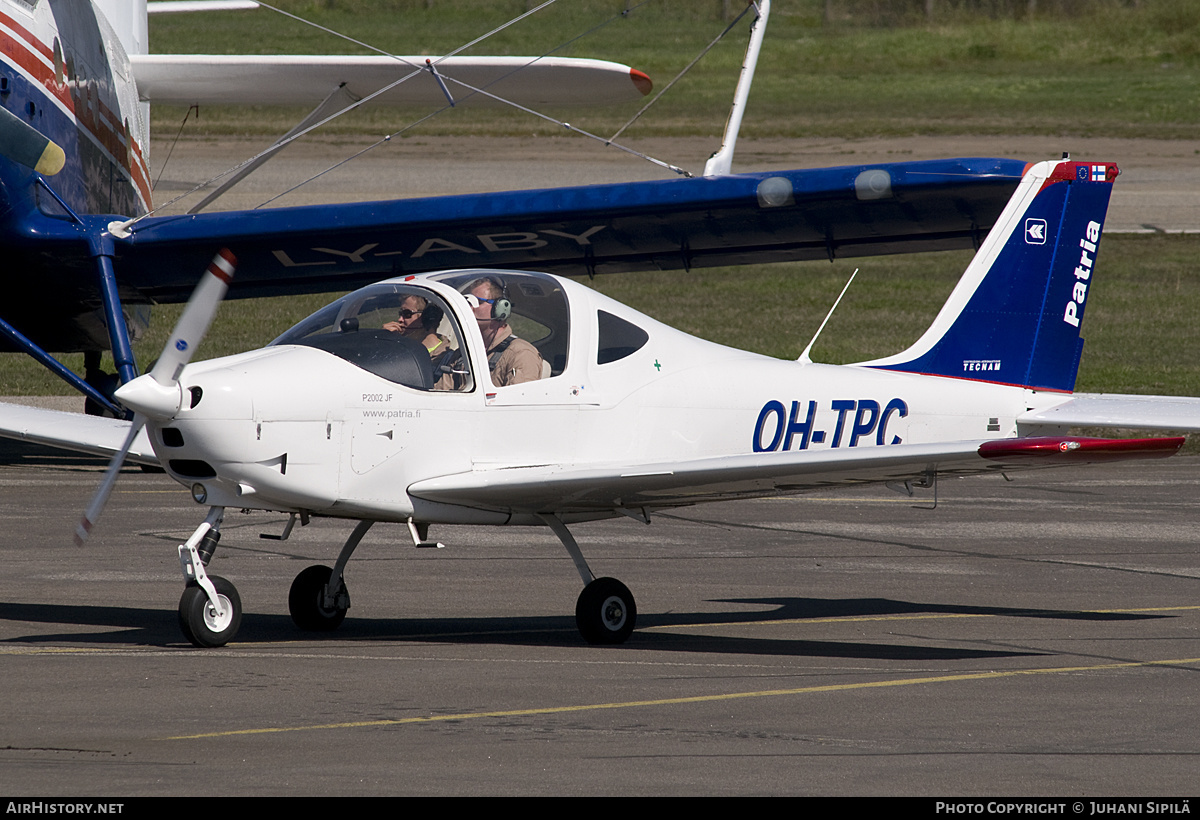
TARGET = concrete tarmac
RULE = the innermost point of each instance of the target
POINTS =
(1033, 637)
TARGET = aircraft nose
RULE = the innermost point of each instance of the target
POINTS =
(153, 400)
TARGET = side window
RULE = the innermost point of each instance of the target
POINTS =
(618, 338)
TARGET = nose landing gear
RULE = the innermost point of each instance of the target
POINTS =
(210, 609)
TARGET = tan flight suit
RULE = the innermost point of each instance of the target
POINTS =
(518, 363)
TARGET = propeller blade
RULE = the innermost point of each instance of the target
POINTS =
(105, 489)
(197, 316)
(158, 394)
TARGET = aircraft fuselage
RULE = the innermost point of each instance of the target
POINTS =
(290, 427)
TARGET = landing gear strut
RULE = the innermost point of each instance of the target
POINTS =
(605, 612)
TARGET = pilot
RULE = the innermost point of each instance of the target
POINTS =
(511, 360)
(419, 320)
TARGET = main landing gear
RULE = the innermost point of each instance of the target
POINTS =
(318, 599)
(605, 612)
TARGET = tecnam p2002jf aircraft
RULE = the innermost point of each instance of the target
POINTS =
(626, 417)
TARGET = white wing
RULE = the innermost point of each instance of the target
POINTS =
(73, 431)
(209, 79)
(564, 489)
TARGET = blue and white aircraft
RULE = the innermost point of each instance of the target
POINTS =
(605, 412)
(83, 261)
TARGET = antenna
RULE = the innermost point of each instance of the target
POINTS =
(804, 357)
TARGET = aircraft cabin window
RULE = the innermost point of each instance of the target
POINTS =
(401, 333)
(618, 338)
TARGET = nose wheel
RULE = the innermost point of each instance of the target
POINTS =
(207, 624)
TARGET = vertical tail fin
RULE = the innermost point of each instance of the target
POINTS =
(1015, 314)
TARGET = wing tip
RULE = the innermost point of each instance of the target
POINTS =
(641, 81)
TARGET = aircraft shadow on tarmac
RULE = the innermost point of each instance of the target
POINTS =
(155, 627)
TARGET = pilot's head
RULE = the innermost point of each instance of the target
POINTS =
(412, 308)
(486, 297)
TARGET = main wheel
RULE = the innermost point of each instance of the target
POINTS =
(199, 620)
(605, 612)
(305, 601)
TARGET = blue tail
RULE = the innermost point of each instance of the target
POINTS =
(1014, 317)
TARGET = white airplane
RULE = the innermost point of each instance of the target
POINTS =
(410, 412)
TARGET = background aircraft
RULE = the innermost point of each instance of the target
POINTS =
(630, 418)
(74, 175)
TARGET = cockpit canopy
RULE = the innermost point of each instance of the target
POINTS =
(406, 333)
(402, 333)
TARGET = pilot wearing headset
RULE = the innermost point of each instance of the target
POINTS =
(511, 360)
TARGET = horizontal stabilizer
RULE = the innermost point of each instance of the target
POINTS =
(216, 79)
(1117, 410)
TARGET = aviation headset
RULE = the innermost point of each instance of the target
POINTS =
(501, 306)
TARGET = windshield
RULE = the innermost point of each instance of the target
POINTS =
(402, 333)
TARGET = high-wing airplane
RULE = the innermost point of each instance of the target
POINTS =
(84, 261)
(416, 406)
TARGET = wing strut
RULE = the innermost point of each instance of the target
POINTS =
(101, 248)
(56, 367)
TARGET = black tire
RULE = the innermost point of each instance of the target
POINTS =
(605, 612)
(198, 619)
(304, 601)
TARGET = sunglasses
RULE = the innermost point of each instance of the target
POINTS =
(408, 314)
